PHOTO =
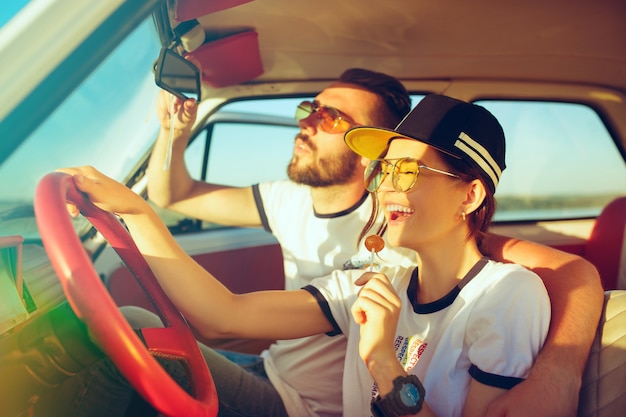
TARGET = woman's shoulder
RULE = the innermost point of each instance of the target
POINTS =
(506, 270)
(500, 283)
(506, 277)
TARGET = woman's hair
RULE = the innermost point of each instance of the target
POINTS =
(478, 221)
(372, 220)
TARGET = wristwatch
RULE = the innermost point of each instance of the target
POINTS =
(406, 397)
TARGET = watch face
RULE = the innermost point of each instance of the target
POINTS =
(409, 395)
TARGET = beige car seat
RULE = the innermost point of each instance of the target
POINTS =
(603, 391)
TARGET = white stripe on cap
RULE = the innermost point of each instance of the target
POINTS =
(480, 155)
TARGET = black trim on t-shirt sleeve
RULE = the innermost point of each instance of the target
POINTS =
(260, 208)
(493, 380)
(325, 309)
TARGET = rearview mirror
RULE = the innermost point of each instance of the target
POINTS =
(175, 74)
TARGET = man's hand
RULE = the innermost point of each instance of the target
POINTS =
(184, 112)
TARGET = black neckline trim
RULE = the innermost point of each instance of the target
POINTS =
(343, 212)
(447, 299)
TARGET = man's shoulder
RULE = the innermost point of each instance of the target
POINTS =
(284, 199)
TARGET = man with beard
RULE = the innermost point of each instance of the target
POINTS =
(317, 216)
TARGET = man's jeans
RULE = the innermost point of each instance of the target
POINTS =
(249, 362)
(100, 390)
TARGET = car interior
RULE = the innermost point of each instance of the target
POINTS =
(81, 84)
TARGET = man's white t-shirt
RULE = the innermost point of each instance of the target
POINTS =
(308, 372)
(490, 328)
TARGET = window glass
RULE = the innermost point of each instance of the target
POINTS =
(247, 152)
(561, 161)
(91, 127)
(10, 8)
(251, 154)
(285, 107)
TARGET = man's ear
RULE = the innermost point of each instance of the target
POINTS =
(474, 196)
(364, 161)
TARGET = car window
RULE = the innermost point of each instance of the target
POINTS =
(11, 8)
(90, 127)
(245, 152)
(242, 160)
(562, 162)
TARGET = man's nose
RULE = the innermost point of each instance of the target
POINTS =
(309, 122)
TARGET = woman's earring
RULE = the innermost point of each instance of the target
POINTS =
(463, 216)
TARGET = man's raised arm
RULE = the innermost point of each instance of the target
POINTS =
(170, 185)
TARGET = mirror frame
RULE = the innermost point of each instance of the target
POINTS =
(163, 65)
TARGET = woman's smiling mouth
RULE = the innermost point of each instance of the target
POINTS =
(396, 211)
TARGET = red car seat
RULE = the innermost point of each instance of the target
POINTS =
(606, 247)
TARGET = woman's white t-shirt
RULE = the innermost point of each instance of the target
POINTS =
(492, 325)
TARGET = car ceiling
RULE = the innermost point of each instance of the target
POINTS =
(579, 41)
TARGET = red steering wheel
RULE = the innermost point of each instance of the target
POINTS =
(92, 303)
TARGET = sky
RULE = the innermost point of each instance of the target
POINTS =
(9, 8)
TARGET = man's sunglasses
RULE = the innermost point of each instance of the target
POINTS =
(404, 172)
(328, 119)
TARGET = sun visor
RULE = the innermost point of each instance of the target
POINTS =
(230, 60)
(192, 9)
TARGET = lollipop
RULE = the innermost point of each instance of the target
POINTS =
(374, 244)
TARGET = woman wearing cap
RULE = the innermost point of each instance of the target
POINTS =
(443, 338)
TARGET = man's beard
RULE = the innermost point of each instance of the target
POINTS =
(333, 170)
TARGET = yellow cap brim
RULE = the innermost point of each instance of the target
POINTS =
(369, 141)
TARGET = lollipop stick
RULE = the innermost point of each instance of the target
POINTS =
(374, 244)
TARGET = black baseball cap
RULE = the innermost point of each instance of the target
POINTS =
(463, 130)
